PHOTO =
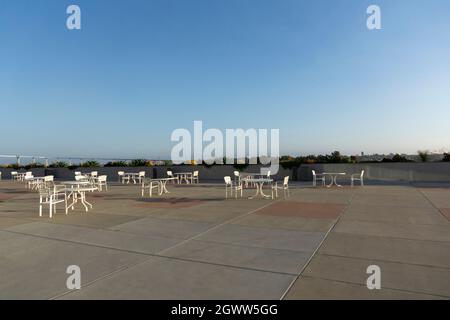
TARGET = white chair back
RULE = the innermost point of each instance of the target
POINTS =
(78, 173)
(102, 178)
(362, 174)
(170, 173)
(195, 173)
(94, 173)
(227, 180)
(80, 178)
(141, 173)
(120, 173)
(48, 178)
(286, 181)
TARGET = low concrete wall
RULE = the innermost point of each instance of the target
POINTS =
(205, 173)
(6, 172)
(409, 172)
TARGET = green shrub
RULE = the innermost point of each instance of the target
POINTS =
(396, 158)
(90, 163)
(138, 163)
(446, 157)
(34, 165)
(116, 164)
(423, 155)
(59, 164)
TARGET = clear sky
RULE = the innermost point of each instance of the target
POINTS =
(138, 69)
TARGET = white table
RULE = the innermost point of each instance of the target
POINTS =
(35, 182)
(131, 175)
(161, 183)
(259, 182)
(184, 175)
(333, 176)
(20, 176)
(76, 188)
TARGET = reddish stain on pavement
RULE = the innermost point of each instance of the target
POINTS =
(304, 210)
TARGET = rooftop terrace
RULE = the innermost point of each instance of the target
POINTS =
(194, 244)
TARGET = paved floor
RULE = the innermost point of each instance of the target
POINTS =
(194, 244)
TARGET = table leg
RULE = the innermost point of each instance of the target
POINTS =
(163, 187)
(257, 192)
(335, 182)
(331, 183)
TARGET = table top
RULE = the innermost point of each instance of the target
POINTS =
(335, 173)
(262, 180)
(131, 173)
(183, 173)
(252, 174)
(75, 182)
(158, 179)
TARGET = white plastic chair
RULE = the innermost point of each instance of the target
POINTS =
(357, 177)
(78, 173)
(81, 178)
(141, 176)
(120, 175)
(28, 178)
(101, 181)
(152, 184)
(49, 181)
(195, 176)
(171, 175)
(318, 177)
(52, 196)
(229, 185)
(284, 187)
(14, 175)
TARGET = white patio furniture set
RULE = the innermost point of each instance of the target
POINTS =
(322, 177)
(160, 184)
(68, 192)
(243, 180)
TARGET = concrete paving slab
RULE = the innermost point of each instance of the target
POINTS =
(394, 214)
(406, 231)
(275, 260)
(36, 267)
(282, 222)
(161, 278)
(401, 276)
(180, 229)
(103, 238)
(265, 237)
(387, 249)
(87, 219)
(6, 222)
(415, 200)
(321, 289)
(303, 209)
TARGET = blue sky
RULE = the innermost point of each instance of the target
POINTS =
(137, 70)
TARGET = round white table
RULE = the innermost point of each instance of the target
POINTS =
(334, 176)
(258, 182)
